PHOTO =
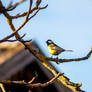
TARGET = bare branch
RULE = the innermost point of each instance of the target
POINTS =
(2, 87)
(33, 79)
(11, 7)
(22, 83)
(34, 14)
(69, 60)
(28, 40)
(38, 2)
(47, 83)
(25, 13)
(27, 45)
(29, 10)
(11, 35)
(25, 21)
(12, 40)
(43, 7)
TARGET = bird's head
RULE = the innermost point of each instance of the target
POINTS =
(49, 42)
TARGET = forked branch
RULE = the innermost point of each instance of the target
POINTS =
(10, 6)
(28, 84)
(43, 59)
(24, 22)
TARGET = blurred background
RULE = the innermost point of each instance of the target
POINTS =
(69, 24)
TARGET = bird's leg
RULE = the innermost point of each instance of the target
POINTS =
(57, 57)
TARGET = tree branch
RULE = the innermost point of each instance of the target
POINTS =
(69, 60)
(2, 88)
(1, 41)
(31, 11)
(10, 6)
(28, 84)
(25, 21)
(33, 79)
(62, 79)
(13, 6)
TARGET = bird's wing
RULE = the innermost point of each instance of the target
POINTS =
(57, 48)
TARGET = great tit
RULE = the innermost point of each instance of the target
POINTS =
(55, 49)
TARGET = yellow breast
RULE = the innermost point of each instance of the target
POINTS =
(52, 51)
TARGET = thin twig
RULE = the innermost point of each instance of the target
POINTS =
(33, 79)
(12, 7)
(14, 40)
(29, 9)
(43, 7)
(38, 2)
(25, 13)
(34, 14)
(47, 83)
(11, 35)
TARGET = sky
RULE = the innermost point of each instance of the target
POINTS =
(69, 24)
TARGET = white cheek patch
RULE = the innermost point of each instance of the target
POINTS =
(49, 42)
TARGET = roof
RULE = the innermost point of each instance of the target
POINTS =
(14, 57)
(7, 50)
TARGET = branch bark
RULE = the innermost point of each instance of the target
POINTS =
(2, 87)
(69, 60)
(28, 84)
(75, 87)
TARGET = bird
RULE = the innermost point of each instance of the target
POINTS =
(55, 49)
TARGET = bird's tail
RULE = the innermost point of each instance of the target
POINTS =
(69, 50)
